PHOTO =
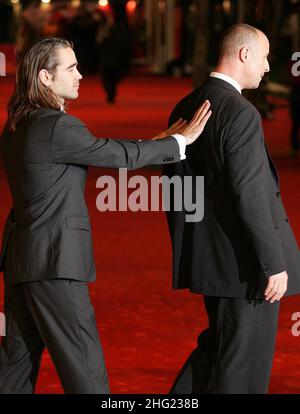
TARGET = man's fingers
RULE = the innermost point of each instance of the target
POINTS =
(177, 122)
(270, 286)
(201, 112)
(200, 121)
(205, 118)
(200, 127)
(277, 296)
(271, 289)
(177, 126)
(271, 299)
(271, 294)
(276, 287)
(276, 292)
(272, 283)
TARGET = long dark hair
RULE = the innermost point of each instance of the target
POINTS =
(30, 93)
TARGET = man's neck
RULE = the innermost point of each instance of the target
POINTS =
(225, 70)
(228, 79)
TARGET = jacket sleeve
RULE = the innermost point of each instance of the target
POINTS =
(245, 161)
(72, 143)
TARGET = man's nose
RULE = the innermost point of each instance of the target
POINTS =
(267, 69)
(79, 76)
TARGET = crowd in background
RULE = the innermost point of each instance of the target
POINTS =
(102, 43)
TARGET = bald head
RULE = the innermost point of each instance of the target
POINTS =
(244, 55)
(238, 36)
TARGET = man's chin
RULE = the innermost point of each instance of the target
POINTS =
(261, 78)
(256, 85)
(72, 97)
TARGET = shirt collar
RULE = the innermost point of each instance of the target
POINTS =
(227, 79)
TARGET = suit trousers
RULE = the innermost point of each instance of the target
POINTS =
(235, 354)
(56, 314)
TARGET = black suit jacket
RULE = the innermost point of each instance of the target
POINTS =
(245, 235)
(48, 233)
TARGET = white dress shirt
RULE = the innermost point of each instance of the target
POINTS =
(227, 79)
(182, 145)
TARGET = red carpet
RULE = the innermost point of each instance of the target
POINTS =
(147, 330)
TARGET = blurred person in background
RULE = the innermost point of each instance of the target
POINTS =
(114, 54)
(59, 21)
(6, 21)
(83, 30)
(31, 27)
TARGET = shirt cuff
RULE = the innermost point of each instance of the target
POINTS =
(182, 145)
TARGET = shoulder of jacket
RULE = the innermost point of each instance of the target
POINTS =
(240, 106)
(68, 120)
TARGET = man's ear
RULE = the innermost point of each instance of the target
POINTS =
(45, 77)
(244, 54)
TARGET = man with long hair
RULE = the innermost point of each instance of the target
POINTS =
(46, 253)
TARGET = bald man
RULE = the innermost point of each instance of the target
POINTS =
(242, 256)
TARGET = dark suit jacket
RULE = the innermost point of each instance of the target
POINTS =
(48, 232)
(245, 235)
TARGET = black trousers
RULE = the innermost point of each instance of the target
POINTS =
(56, 314)
(235, 354)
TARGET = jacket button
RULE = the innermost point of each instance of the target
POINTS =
(265, 268)
(286, 219)
(168, 159)
(278, 194)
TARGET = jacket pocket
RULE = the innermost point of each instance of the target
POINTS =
(78, 223)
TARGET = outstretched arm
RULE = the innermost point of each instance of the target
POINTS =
(72, 143)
